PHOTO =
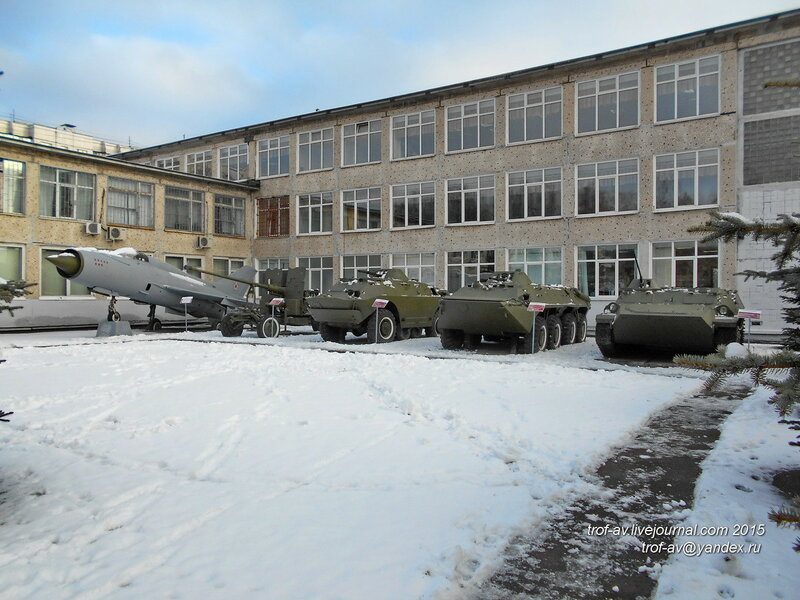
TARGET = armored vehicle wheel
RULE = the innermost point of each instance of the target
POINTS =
(433, 330)
(580, 332)
(553, 332)
(330, 333)
(268, 327)
(452, 339)
(416, 332)
(472, 341)
(540, 342)
(525, 344)
(569, 329)
(230, 328)
(386, 327)
(314, 325)
(403, 333)
(604, 337)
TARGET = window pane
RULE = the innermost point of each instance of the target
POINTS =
(686, 187)
(665, 189)
(687, 98)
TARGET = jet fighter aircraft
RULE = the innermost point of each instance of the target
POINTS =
(146, 280)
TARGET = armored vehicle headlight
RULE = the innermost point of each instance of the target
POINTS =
(723, 310)
(611, 307)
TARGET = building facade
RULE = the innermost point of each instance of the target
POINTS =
(52, 199)
(65, 136)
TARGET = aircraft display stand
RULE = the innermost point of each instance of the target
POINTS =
(112, 328)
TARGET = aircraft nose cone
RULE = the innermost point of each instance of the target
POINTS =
(68, 265)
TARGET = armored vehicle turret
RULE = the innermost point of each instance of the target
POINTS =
(496, 308)
(411, 307)
(692, 320)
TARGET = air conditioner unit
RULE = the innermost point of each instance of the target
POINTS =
(92, 229)
(114, 234)
(202, 242)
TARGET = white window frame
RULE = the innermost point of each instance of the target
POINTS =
(597, 262)
(419, 198)
(237, 207)
(616, 91)
(419, 125)
(377, 259)
(139, 195)
(277, 146)
(313, 271)
(231, 264)
(351, 197)
(234, 153)
(543, 263)
(425, 260)
(477, 104)
(529, 103)
(462, 191)
(170, 163)
(545, 177)
(325, 200)
(325, 137)
(200, 163)
(374, 130)
(479, 264)
(8, 178)
(69, 283)
(675, 170)
(73, 186)
(22, 252)
(673, 258)
(696, 76)
(616, 176)
(192, 199)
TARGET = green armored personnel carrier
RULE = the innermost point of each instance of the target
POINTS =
(412, 307)
(267, 316)
(693, 320)
(496, 308)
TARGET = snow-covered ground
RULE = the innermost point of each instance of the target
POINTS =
(154, 467)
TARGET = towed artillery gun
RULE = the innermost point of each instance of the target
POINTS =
(411, 307)
(496, 308)
(283, 303)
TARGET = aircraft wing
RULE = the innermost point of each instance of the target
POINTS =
(194, 293)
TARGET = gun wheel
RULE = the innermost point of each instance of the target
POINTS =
(230, 328)
(268, 327)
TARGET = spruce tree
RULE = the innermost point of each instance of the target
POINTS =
(779, 371)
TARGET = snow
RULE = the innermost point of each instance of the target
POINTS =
(156, 467)
(735, 350)
(734, 491)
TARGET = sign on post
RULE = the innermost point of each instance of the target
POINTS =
(536, 307)
(186, 300)
(380, 303)
(750, 315)
(276, 301)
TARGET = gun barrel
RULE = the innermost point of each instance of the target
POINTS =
(273, 289)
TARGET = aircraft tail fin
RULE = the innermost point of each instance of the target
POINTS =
(234, 288)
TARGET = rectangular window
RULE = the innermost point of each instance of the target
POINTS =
(608, 187)
(11, 263)
(272, 217)
(54, 285)
(361, 143)
(534, 194)
(687, 179)
(12, 186)
(686, 264)
(465, 267)
(229, 215)
(608, 103)
(233, 162)
(470, 126)
(414, 135)
(420, 266)
(130, 202)
(361, 209)
(688, 89)
(184, 209)
(470, 200)
(66, 194)
(413, 205)
(353, 264)
(534, 116)
(273, 157)
(315, 213)
(181, 262)
(605, 270)
(319, 271)
(542, 265)
(315, 150)
(172, 163)
(199, 163)
(225, 266)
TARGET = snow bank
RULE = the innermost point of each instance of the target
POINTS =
(170, 469)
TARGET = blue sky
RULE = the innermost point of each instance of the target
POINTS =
(157, 71)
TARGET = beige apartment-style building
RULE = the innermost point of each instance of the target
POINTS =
(574, 171)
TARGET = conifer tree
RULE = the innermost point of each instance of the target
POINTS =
(780, 371)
